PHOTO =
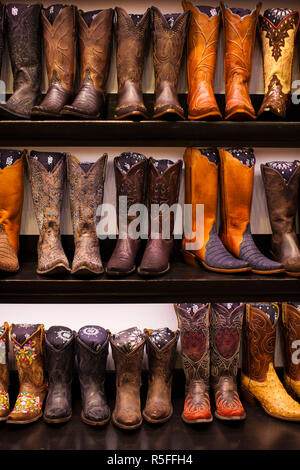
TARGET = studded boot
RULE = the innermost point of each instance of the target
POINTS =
(4, 373)
(291, 336)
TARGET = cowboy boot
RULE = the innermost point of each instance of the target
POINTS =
(202, 45)
(132, 34)
(163, 189)
(291, 335)
(60, 51)
(200, 164)
(259, 380)
(86, 182)
(23, 33)
(91, 351)
(59, 365)
(169, 34)
(193, 320)
(4, 374)
(237, 175)
(226, 330)
(28, 342)
(239, 39)
(2, 42)
(128, 357)
(281, 181)
(11, 203)
(278, 29)
(130, 172)
(47, 175)
(95, 38)
(161, 348)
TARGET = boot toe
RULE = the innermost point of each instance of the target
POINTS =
(97, 414)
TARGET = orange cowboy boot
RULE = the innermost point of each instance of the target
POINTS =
(4, 374)
(291, 335)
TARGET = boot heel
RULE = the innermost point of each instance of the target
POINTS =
(248, 397)
(190, 259)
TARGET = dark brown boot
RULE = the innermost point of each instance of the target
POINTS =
(161, 358)
(291, 335)
(4, 374)
(95, 38)
(60, 51)
(169, 34)
(163, 188)
(130, 173)
(132, 32)
(226, 329)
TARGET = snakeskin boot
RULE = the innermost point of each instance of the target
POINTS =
(4, 373)
(291, 335)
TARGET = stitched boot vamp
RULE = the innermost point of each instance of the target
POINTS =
(128, 405)
(50, 251)
(156, 256)
(87, 254)
(158, 404)
(227, 399)
(89, 102)
(123, 257)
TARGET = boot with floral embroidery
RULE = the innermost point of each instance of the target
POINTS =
(4, 376)
(27, 343)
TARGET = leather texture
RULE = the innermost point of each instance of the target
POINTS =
(168, 44)
(4, 374)
(202, 46)
(131, 40)
(239, 40)
(158, 408)
(282, 200)
(86, 191)
(291, 334)
(95, 42)
(278, 44)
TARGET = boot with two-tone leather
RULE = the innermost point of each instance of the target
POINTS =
(259, 381)
(239, 26)
(200, 165)
(278, 29)
(291, 336)
(226, 333)
(86, 184)
(95, 40)
(281, 181)
(194, 324)
(132, 35)
(4, 373)
(237, 177)
(202, 46)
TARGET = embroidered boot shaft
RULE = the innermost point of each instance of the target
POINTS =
(291, 335)
(4, 373)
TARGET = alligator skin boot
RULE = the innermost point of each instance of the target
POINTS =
(161, 350)
(237, 176)
(128, 363)
(169, 34)
(193, 320)
(259, 380)
(47, 174)
(202, 45)
(200, 164)
(95, 39)
(60, 51)
(239, 39)
(23, 35)
(11, 203)
(132, 36)
(130, 173)
(281, 181)
(28, 343)
(91, 351)
(226, 332)
(163, 188)
(291, 335)
(59, 365)
(86, 181)
(278, 29)
(4, 373)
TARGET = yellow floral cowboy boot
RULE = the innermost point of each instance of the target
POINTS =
(4, 376)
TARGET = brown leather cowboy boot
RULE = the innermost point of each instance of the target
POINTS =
(28, 341)
(193, 320)
(161, 356)
(163, 189)
(23, 34)
(4, 374)
(95, 38)
(130, 172)
(281, 181)
(86, 182)
(169, 34)
(202, 45)
(278, 29)
(132, 34)
(226, 329)
(60, 51)
(239, 38)
(47, 176)
(291, 335)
